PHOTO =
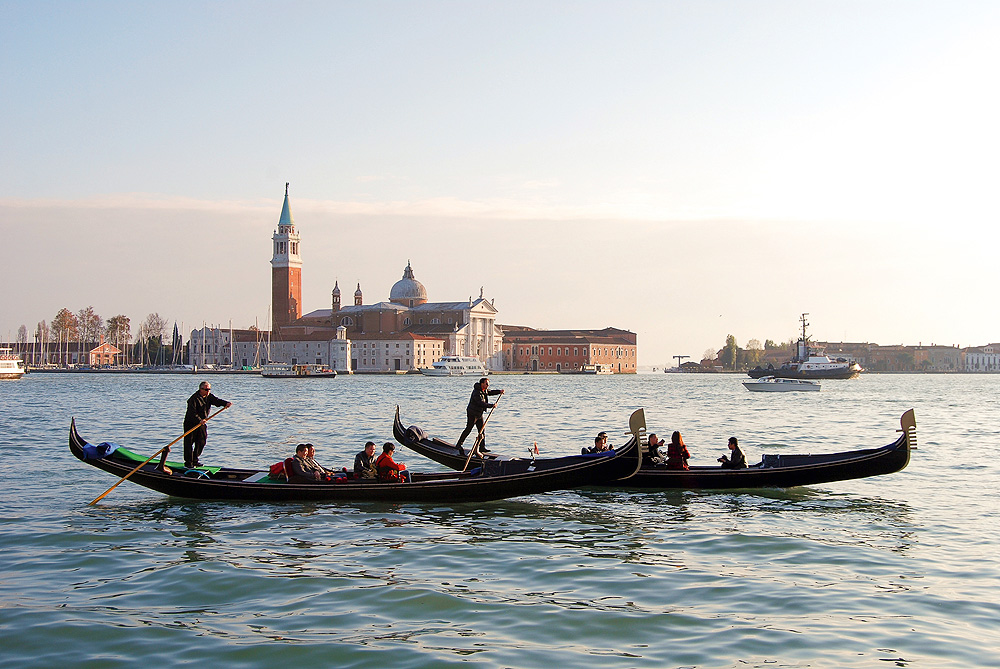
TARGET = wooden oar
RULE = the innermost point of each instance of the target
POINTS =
(479, 437)
(140, 465)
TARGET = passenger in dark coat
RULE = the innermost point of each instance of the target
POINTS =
(303, 468)
(364, 462)
(478, 404)
(738, 459)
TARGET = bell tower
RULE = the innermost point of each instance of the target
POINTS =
(286, 271)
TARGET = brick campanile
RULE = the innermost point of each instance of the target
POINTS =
(286, 271)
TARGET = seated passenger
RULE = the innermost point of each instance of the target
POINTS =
(388, 469)
(653, 454)
(677, 452)
(364, 462)
(303, 471)
(738, 461)
(600, 444)
(311, 459)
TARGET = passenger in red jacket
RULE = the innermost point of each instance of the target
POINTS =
(387, 468)
(677, 452)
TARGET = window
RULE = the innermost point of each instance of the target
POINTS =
(346, 321)
(406, 321)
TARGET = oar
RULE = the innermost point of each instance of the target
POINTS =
(479, 437)
(140, 465)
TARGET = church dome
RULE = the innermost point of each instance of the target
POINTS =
(408, 290)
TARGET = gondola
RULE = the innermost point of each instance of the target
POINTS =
(484, 482)
(773, 471)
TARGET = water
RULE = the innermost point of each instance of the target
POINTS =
(900, 570)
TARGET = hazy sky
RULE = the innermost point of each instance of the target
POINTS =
(684, 170)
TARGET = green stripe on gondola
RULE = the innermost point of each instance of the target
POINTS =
(136, 458)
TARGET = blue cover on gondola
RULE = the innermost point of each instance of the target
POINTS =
(101, 450)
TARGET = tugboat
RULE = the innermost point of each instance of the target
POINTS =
(809, 364)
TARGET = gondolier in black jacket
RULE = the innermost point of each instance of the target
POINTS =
(478, 404)
(198, 407)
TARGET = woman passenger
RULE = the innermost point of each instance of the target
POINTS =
(677, 452)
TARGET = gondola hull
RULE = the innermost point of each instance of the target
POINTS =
(774, 471)
(494, 481)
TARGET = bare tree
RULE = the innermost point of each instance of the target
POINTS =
(151, 335)
(90, 324)
(119, 332)
(154, 326)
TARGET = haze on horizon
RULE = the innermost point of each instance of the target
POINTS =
(683, 170)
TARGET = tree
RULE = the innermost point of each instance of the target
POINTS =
(90, 325)
(22, 335)
(753, 353)
(151, 335)
(729, 353)
(65, 325)
(710, 354)
(118, 331)
(154, 326)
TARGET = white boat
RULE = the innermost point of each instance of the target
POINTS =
(11, 366)
(774, 384)
(280, 370)
(597, 369)
(456, 365)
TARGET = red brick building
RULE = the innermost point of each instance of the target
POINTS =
(530, 350)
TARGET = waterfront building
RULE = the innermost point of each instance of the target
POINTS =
(210, 347)
(104, 354)
(530, 350)
(981, 359)
(937, 358)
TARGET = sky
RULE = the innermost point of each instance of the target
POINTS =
(683, 170)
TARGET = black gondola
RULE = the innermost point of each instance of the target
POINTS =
(487, 481)
(773, 471)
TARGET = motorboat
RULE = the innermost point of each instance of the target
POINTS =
(11, 365)
(809, 364)
(597, 369)
(456, 365)
(277, 370)
(774, 384)
(775, 470)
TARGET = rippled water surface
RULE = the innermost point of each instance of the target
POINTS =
(900, 570)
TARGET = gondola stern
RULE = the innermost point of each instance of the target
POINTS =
(637, 428)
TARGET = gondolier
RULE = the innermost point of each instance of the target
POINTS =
(198, 407)
(478, 404)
